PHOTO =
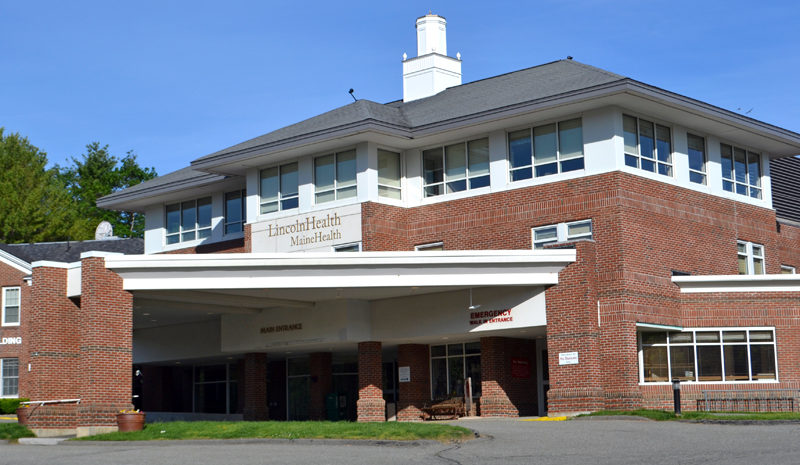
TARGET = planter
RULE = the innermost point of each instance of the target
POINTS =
(23, 413)
(130, 422)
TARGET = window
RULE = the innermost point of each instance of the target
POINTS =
(561, 232)
(9, 376)
(11, 304)
(187, 221)
(787, 269)
(456, 167)
(751, 258)
(389, 174)
(432, 247)
(216, 388)
(648, 146)
(234, 211)
(279, 188)
(335, 176)
(697, 159)
(741, 171)
(545, 150)
(348, 247)
(708, 355)
(451, 364)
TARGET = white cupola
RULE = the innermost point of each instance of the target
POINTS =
(432, 71)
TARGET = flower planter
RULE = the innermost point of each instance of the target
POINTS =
(130, 422)
(23, 413)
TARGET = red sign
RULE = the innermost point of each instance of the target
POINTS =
(521, 368)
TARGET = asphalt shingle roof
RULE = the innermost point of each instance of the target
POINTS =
(71, 251)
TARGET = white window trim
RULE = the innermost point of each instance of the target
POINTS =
(430, 245)
(196, 228)
(694, 344)
(655, 159)
(243, 206)
(467, 176)
(2, 362)
(336, 187)
(402, 170)
(748, 184)
(704, 171)
(788, 269)
(533, 164)
(281, 197)
(750, 257)
(19, 306)
(562, 233)
(337, 248)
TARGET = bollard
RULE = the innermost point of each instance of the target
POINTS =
(676, 395)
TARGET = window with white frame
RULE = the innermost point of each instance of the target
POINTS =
(451, 365)
(190, 220)
(697, 159)
(787, 269)
(11, 306)
(335, 176)
(751, 257)
(545, 150)
(561, 232)
(456, 167)
(389, 174)
(235, 211)
(431, 247)
(648, 145)
(355, 247)
(9, 377)
(741, 171)
(279, 188)
(708, 355)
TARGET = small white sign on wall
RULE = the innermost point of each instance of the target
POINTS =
(568, 358)
(404, 374)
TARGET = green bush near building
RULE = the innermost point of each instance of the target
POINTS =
(10, 405)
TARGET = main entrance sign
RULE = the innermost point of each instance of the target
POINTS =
(316, 231)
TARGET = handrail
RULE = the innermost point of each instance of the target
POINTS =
(59, 401)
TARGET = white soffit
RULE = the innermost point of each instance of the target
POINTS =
(341, 270)
(738, 283)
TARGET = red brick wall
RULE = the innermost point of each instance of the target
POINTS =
(12, 277)
(502, 393)
(321, 371)
(413, 395)
(370, 404)
(255, 387)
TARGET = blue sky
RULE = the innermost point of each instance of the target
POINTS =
(174, 81)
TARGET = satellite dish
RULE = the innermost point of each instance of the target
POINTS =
(104, 231)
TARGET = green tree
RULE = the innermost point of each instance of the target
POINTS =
(34, 206)
(96, 174)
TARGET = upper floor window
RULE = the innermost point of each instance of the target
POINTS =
(751, 258)
(697, 159)
(741, 171)
(9, 377)
(335, 176)
(787, 269)
(190, 220)
(356, 247)
(234, 211)
(388, 174)
(11, 304)
(279, 188)
(561, 232)
(431, 247)
(544, 150)
(647, 145)
(456, 167)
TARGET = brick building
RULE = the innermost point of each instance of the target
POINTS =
(560, 239)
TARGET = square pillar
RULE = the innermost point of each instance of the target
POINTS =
(370, 405)
(321, 370)
(255, 387)
(106, 346)
(415, 393)
(494, 379)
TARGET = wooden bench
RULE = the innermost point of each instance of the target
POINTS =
(449, 409)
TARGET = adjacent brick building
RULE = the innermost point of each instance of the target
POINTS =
(554, 240)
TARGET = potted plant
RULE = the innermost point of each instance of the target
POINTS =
(130, 420)
(23, 413)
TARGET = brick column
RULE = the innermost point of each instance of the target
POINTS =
(106, 342)
(370, 405)
(414, 394)
(255, 387)
(572, 327)
(321, 370)
(50, 345)
(494, 399)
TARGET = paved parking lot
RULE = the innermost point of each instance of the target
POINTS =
(616, 442)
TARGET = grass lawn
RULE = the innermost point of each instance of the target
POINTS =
(289, 430)
(662, 415)
(14, 431)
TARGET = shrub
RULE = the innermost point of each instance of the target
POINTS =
(10, 405)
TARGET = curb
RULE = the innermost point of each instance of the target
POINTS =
(321, 442)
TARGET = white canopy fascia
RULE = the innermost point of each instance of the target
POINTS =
(738, 283)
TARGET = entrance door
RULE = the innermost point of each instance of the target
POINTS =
(298, 385)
